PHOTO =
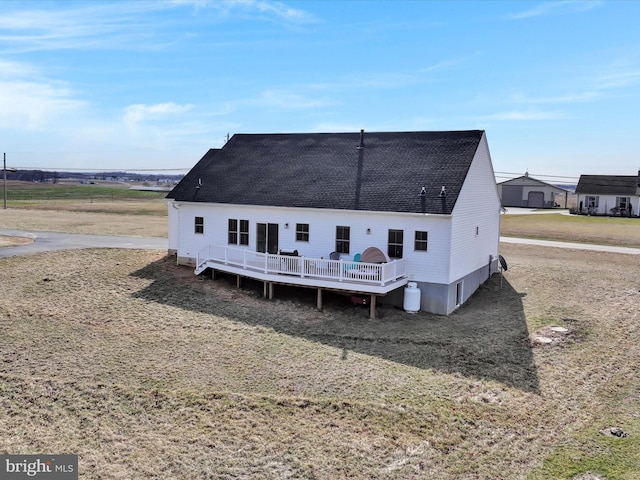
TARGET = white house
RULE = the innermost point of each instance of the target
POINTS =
(609, 195)
(307, 209)
(526, 191)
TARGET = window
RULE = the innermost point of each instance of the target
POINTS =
(622, 202)
(592, 202)
(302, 232)
(244, 232)
(234, 234)
(342, 239)
(232, 238)
(420, 244)
(394, 249)
(199, 225)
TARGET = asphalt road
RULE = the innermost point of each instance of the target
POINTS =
(49, 241)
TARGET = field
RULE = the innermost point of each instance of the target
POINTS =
(148, 372)
(624, 232)
(89, 209)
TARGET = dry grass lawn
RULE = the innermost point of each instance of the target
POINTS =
(146, 371)
(624, 232)
(140, 219)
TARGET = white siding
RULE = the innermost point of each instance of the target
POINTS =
(607, 202)
(430, 266)
(478, 207)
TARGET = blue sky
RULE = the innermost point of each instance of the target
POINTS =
(155, 84)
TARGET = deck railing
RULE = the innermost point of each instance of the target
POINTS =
(336, 270)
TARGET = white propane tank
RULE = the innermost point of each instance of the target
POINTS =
(411, 298)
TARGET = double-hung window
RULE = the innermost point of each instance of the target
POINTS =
(421, 241)
(302, 232)
(199, 225)
(394, 247)
(244, 232)
(342, 239)
(622, 203)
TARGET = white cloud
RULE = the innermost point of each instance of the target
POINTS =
(138, 113)
(558, 7)
(259, 9)
(28, 101)
(569, 98)
(124, 25)
(288, 100)
(516, 115)
(15, 70)
(618, 79)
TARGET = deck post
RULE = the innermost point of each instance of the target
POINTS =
(264, 289)
(319, 300)
(238, 281)
(372, 308)
(270, 290)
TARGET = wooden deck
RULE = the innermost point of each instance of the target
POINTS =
(373, 279)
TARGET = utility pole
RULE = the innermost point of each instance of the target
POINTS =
(4, 174)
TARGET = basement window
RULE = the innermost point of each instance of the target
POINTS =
(458, 294)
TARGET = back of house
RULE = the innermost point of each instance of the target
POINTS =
(426, 198)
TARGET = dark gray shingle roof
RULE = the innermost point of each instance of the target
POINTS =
(626, 185)
(327, 170)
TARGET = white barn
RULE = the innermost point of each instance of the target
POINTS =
(308, 209)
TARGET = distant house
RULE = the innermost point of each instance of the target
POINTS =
(356, 213)
(526, 191)
(609, 195)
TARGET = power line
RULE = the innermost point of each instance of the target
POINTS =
(110, 169)
(535, 175)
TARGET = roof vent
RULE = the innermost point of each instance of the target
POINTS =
(443, 199)
(361, 139)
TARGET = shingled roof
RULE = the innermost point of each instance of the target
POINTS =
(333, 170)
(627, 185)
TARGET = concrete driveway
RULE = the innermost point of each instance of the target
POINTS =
(48, 241)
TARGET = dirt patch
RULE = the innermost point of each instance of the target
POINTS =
(8, 241)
